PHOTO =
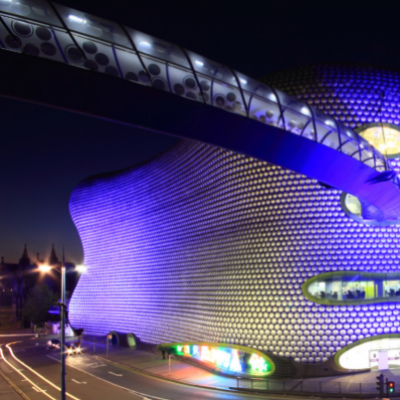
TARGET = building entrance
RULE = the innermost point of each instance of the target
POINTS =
(384, 359)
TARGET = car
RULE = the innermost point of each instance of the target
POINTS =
(54, 344)
(72, 349)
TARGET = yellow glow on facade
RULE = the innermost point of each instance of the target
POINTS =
(384, 137)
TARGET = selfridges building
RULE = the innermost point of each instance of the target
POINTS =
(203, 244)
(218, 240)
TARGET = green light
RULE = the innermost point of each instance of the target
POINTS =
(179, 349)
(258, 363)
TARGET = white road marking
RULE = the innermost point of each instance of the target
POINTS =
(111, 383)
(37, 388)
(79, 383)
(32, 370)
(112, 373)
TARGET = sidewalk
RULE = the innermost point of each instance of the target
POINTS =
(178, 371)
(155, 365)
(7, 392)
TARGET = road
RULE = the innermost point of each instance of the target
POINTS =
(36, 371)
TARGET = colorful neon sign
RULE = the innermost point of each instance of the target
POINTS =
(230, 359)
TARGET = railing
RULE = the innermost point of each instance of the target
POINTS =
(60, 33)
(308, 386)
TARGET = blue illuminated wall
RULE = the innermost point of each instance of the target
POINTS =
(202, 244)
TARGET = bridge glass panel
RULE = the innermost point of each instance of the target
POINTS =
(298, 123)
(158, 48)
(351, 148)
(43, 41)
(7, 42)
(297, 116)
(100, 57)
(183, 83)
(228, 98)
(90, 25)
(380, 163)
(265, 111)
(332, 140)
(130, 67)
(157, 70)
(35, 10)
(252, 87)
(213, 70)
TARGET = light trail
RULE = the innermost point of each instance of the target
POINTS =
(40, 376)
(26, 378)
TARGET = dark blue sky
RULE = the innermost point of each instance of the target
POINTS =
(46, 152)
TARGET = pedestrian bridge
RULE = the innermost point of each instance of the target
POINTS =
(165, 88)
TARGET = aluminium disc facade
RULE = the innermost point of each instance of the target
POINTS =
(202, 244)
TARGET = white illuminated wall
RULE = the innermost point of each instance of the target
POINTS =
(366, 355)
(202, 244)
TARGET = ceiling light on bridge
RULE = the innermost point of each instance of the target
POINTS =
(199, 63)
(145, 44)
(75, 18)
(384, 137)
(305, 111)
(243, 81)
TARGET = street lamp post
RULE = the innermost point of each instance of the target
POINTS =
(62, 315)
(63, 310)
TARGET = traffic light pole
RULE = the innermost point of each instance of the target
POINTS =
(380, 385)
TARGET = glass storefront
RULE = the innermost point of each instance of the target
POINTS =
(344, 287)
(375, 352)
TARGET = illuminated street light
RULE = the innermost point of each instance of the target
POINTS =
(44, 268)
(81, 268)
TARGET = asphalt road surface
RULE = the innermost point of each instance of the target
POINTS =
(36, 371)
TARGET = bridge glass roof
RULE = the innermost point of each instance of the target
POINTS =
(60, 33)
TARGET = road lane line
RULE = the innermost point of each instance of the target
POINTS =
(79, 383)
(40, 376)
(114, 384)
(19, 334)
(112, 373)
(37, 387)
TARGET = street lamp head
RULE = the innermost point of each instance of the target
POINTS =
(44, 268)
(81, 268)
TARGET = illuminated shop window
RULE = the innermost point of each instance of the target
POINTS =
(376, 352)
(353, 208)
(343, 287)
(384, 137)
(353, 204)
(230, 359)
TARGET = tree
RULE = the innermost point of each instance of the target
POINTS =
(38, 302)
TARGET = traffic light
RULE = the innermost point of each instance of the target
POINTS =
(379, 384)
(390, 387)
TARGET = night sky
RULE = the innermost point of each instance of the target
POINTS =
(45, 153)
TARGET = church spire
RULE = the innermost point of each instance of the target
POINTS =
(53, 257)
(24, 260)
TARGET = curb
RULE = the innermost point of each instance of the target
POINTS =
(241, 390)
(163, 377)
(14, 387)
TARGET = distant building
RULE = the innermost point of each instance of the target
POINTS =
(17, 279)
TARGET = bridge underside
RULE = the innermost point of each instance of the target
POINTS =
(82, 91)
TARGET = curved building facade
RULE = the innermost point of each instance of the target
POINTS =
(203, 244)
